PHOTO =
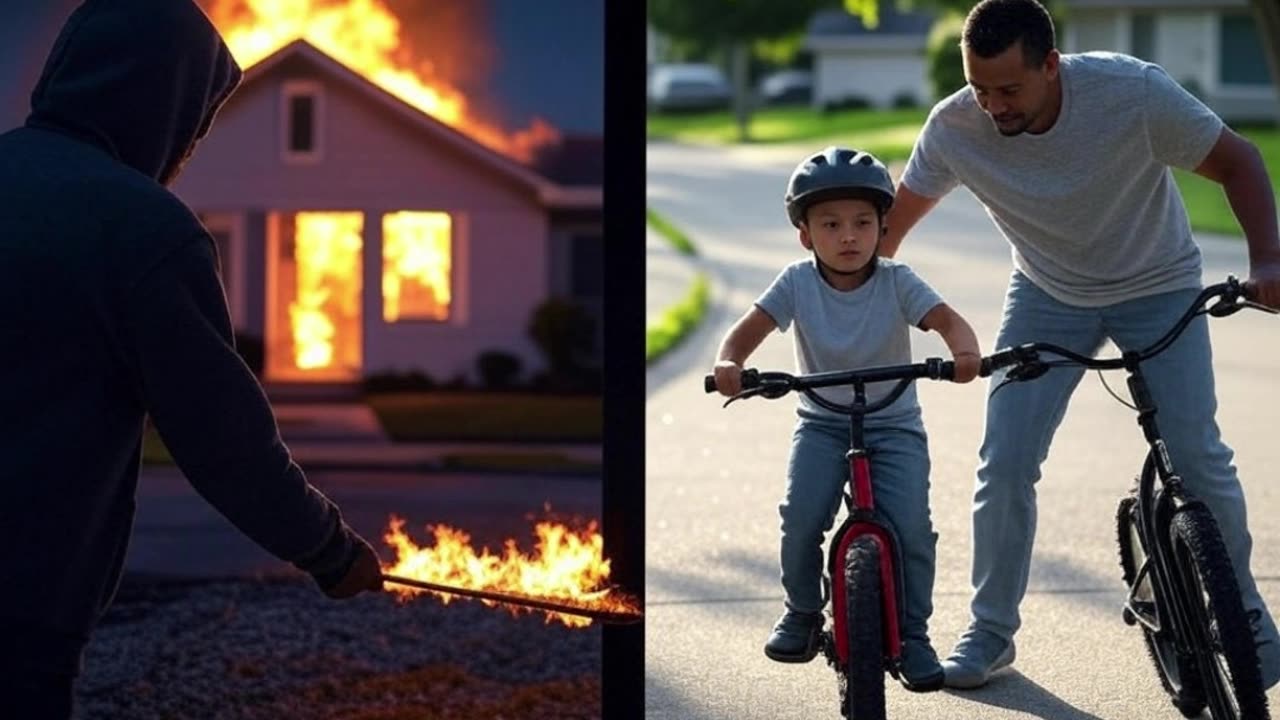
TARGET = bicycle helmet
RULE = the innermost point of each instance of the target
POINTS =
(837, 173)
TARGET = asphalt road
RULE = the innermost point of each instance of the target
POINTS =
(714, 478)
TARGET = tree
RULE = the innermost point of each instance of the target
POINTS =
(734, 25)
(1267, 13)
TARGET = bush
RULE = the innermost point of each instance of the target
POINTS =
(565, 333)
(249, 348)
(944, 58)
(905, 100)
(498, 369)
(848, 102)
(412, 381)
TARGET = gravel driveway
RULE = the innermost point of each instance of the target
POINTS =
(275, 647)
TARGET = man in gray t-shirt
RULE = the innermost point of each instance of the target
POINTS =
(1071, 155)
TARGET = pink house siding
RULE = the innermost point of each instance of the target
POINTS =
(377, 159)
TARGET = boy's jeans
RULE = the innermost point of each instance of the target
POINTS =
(1022, 418)
(816, 476)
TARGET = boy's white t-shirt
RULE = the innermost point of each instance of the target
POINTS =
(1090, 206)
(845, 330)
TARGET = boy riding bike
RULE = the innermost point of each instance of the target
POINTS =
(850, 308)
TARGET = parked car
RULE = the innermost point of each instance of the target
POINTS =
(786, 87)
(688, 86)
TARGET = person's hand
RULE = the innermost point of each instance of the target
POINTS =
(728, 377)
(1263, 285)
(967, 366)
(364, 573)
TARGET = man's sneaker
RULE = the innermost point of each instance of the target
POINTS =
(796, 637)
(1267, 648)
(920, 670)
(978, 654)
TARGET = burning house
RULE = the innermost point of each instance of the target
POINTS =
(367, 223)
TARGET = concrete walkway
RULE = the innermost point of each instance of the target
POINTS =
(668, 275)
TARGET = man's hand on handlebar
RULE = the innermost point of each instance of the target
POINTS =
(1263, 285)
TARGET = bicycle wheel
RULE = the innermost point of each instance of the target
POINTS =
(864, 670)
(1225, 653)
(1178, 674)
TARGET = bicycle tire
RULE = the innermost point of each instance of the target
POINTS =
(863, 672)
(1178, 675)
(1219, 615)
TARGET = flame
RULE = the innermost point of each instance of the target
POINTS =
(323, 308)
(416, 263)
(365, 36)
(566, 565)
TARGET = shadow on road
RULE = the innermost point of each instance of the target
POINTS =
(1012, 690)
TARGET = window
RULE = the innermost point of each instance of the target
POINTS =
(1242, 61)
(302, 121)
(1142, 36)
(417, 266)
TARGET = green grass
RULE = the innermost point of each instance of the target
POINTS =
(677, 321)
(886, 133)
(673, 234)
(424, 417)
(1206, 203)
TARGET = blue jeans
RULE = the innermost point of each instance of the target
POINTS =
(817, 473)
(1022, 418)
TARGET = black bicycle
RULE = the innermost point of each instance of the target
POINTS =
(863, 563)
(1182, 587)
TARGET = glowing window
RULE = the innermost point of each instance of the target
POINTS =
(417, 255)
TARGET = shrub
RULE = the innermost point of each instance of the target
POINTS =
(498, 369)
(412, 381)
(564, 331)
(944, 58)
(905, 100)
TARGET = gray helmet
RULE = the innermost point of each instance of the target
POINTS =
(837, 173)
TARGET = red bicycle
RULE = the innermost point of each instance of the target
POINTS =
(863, 562)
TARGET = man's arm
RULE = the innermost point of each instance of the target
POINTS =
(908, 208)
(1236, 164)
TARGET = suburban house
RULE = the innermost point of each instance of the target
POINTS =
(360, 236)
(1212, 47)
(883, 66)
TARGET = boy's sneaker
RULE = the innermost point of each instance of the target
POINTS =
(978, 654)
(796, 637)
(920, 670)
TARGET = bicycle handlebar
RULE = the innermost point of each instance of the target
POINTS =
(774, 385)
(1231, 297)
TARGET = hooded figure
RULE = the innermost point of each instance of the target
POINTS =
(113, 310)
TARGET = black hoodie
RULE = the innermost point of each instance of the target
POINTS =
(110, 309)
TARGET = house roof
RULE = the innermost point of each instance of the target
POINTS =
(838, 29)
(577, 160)
(548, 191)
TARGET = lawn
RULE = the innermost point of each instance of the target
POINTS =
(480, 416)
(890, 134)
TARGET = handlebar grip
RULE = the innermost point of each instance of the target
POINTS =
(947, 371)
(709, 383)
(998, 360)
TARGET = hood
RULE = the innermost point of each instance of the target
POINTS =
(141, 79)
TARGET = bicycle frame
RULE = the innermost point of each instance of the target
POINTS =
(863, 521)
(1156, 507)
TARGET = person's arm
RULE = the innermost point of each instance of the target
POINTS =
(738, 344)
(1236, 165)
(959, 337)
(213, 416)
(908, 207)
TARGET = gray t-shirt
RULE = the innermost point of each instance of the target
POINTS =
(1090, 206)
(845, 330)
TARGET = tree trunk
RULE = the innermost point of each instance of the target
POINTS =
(739, 59)
(1268, 14)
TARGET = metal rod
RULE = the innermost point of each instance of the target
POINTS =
(614, 617)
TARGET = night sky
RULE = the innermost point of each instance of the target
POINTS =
(550, 60)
